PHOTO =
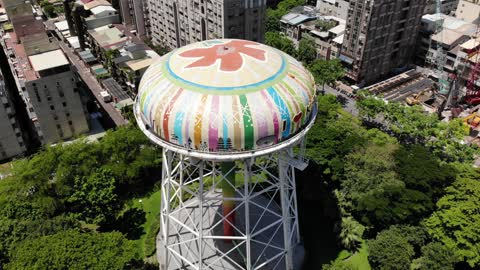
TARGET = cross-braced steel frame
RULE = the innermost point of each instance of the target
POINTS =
(266, 229)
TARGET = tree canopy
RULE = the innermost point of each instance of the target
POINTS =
(390, 250)
(326, 72)
(307, 52)
(64, 186)
(456, 221)
(281, 42)
(74, 250)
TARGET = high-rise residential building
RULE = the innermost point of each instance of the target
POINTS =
(446, 6)
(380, 38)
(11, 140)
(176, 23)
(337, 8)
(468, 10)
(135, 14)
(43, 75)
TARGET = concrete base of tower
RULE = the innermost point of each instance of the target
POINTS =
(195, 234)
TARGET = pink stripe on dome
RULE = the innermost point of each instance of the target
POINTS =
(276, 129)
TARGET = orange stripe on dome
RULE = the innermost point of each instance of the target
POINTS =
(197, 129)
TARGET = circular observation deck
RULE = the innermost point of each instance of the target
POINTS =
(226, 99)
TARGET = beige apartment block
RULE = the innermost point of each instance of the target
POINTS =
(380, 38)
(468, 10)
(54, 98)
(176, 23)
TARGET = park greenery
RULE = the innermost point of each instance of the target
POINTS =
(403, 182)
(70, 206)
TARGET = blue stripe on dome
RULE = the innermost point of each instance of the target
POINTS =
(282, 107)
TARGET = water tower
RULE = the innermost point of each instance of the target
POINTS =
(231, 117)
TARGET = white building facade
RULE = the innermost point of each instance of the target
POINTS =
(336, 8)
(177, 23)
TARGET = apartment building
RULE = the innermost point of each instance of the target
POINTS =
(326, 31)
(446, 6)
(380, 38)
(82, 16)
(135, 14)
(11, 140)
(176, 23)
(43, 75)
(468, 10)
(336, 8)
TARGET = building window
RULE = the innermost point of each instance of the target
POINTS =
(52, 107)
(64, 104)
(37, 94)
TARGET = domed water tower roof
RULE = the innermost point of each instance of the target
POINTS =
(225, 97)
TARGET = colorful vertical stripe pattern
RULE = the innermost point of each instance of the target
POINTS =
(244, 121)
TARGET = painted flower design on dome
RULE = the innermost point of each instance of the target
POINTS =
(230, 55)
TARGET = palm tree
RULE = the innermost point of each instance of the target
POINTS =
(351, 233)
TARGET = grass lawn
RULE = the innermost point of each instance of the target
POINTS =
(359, 259)
(151, 205)
(5, 168)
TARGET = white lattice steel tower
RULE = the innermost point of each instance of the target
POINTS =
(228, 115)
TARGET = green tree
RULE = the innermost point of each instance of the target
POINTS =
(411, 125)
(128, 154)
(325, 25)
(326, 72)
(74, 250)
(390, 250)
(456, 221)
(435, 256)
(273, 16)
(369, 108)
(420, 170)
(333, 136)
(307, 52)
(351, 233)
(75, 160)
(110, 55)
(378, 194)
(95, 197)
(14, 230)
(281, 42)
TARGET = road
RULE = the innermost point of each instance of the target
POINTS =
(349, 104)
(89, 80)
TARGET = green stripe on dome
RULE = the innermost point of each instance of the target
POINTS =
(247, 123)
